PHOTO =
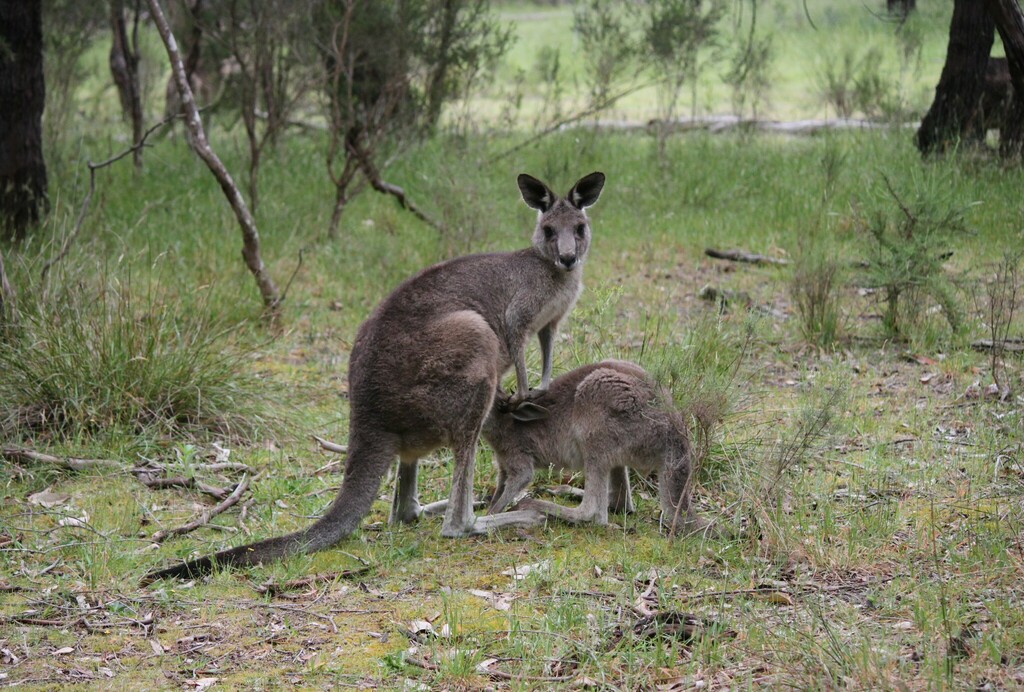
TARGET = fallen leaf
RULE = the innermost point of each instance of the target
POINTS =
(48, 499)
(64, 650)
(777, 598)
(927, 377)
(498, 601)
(157, 647)
(421, 627)
(521, 571)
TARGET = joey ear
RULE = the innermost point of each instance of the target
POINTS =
(528, 411)
(536, 194)
(586, 190)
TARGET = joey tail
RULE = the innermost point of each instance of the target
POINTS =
(365, 467)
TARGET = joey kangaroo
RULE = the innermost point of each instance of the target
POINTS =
(601, 418)
(425, 367)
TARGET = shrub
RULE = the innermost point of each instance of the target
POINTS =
(907, 247)
(85, 363)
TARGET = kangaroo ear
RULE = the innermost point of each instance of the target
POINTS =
(528, 411)
(536, 194)
(586, 190)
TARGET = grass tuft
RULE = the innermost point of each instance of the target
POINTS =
(103, 359)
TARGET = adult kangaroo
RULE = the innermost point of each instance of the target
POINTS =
(425, 368)
(602, 418)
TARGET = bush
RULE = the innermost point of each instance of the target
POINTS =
(907, 247)
(86, 364)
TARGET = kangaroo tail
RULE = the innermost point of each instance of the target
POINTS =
(365, 466)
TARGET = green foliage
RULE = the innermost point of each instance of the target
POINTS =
(674, 33)
(609, 43)
(817, 278)
(854, 82)
(815, 287)
(102, 360)
(908, 243)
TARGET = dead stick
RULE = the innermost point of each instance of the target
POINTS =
(75, 464)
(182, 482)
(743, 256)
(205, 517)
(330, 446)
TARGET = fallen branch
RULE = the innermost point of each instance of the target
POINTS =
(205, 517)
(1015, 345)
(272, 588)
(72, 463)
(743, 256)
(213, 491)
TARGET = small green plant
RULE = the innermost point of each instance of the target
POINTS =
(854, 82)
(815, 288)
(701, 370)
(606, 35)
(675, 32)
(817, 273)
(749, 76)
(907, 247)
(1003, 297)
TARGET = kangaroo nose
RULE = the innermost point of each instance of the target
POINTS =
(567, 260)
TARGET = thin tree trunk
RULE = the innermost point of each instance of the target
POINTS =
(6, 299)
(250, 236)
(438, 77)
(22, 98)
(124, 67)
(1010, 23)
(953, 114)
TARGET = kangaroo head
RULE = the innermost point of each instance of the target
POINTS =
(563, 231)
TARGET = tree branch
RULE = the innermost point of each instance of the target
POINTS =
(250, 236)
(93, 167)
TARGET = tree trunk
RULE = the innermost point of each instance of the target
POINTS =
(22, 99)
(1010, 23)
(124, 67)
(437, 80)
(953, 115)
(250, 236)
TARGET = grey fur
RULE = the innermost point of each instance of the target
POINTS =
(602, 419)
(426, 364)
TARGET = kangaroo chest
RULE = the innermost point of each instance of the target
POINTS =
(556, 304)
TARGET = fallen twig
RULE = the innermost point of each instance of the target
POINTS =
(1015, 345)
(178, 482)
(743, 256)
(206, 516)
(72, 463)
(272, 588)
(330, 446)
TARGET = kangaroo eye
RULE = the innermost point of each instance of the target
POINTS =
(549, 232)
(580, 228)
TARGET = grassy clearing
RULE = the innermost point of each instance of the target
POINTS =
(881, 549)
(887, 550)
